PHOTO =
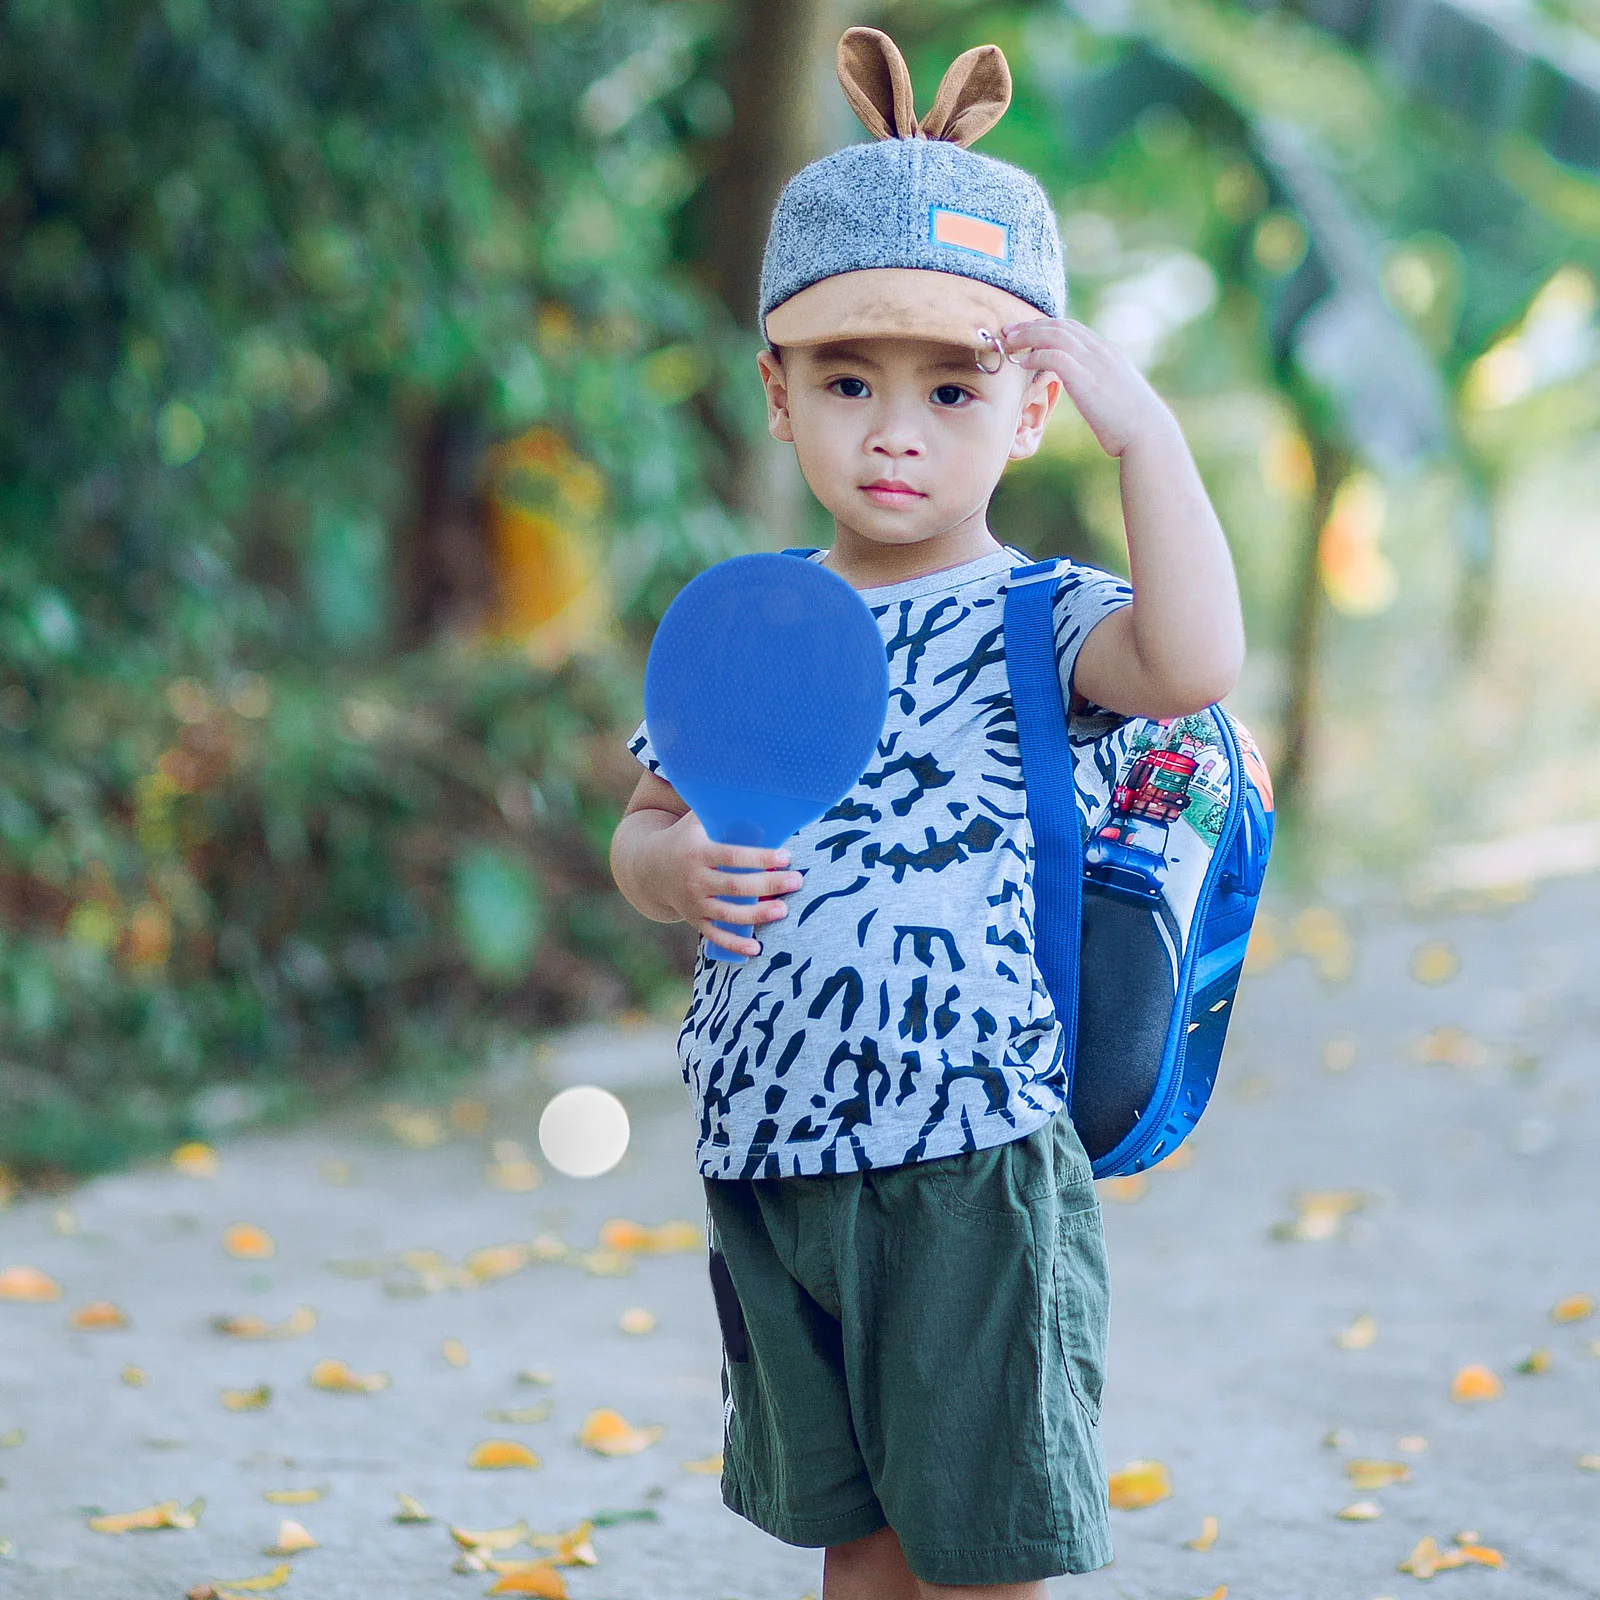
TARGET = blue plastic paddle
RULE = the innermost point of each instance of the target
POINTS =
(764, 697)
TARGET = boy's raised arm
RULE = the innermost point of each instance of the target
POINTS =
(1180, 645)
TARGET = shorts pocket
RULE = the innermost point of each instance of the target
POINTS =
(1004, 1183)
(1082, 1298)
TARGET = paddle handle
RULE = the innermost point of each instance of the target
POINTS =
(715, 951)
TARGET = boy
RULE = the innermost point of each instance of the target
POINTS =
(907, 1253)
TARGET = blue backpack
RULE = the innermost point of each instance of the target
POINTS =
(1151, 844)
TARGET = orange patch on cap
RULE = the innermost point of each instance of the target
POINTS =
(992, 239)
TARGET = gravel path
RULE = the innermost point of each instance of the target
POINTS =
(1467, 1196)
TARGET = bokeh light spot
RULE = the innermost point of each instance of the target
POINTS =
(583, 1132)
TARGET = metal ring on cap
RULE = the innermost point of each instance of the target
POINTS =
(999, 350)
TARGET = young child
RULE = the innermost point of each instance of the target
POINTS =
(907, 1253)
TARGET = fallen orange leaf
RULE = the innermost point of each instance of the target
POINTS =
(572, 1548)
(637, 1320)
(666, 1238)
(292, 1539)
(411, 1510)
(98, 1314)
(1475, 1383)
(255, 1399)
(28, 1283)
(1435, 962)
(246, 1242)
(134, 1377)
(291, 1497)
(535, 1578)
(706, 1466)
(1206, 1537)
(1362, 1334)
(164, 1514)
(1126, 1190)
(489, 1538)
(497, 1261)
(1139, 1484)
(455, 1353)
(1364, 1473)
(195, 1160)
(262, 1584)
(1573, 1308)
(337, 1378)
(1428, 1558)
(1320, 1213)
(1412, 1443)
(608, 1433)
(1219, 1593)
(512, 1172)
(493, 1454)
(1589, 1463)
(301, 1321)
(1361, 1511)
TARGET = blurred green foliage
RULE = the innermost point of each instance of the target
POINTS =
(263, 824)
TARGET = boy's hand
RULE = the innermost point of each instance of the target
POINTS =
(1105, 386)
(679, 869)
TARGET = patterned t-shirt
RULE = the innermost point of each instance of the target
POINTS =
(896, 1013)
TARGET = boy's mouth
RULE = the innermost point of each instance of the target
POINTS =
(891, 492)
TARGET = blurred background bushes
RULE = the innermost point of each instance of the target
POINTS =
(371, 376)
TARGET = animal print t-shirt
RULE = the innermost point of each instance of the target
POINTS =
(896, 1013)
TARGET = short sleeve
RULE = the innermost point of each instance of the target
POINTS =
(641, 748)
(1084, 597)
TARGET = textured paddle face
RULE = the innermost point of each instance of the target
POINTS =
(765, 695)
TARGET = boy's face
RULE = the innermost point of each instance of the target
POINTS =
(903, 440)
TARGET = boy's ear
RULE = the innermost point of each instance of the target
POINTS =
(1038, 401)
(972, 97)
(877, 83)
(777, 387)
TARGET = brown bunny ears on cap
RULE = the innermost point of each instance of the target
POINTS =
(972, 97)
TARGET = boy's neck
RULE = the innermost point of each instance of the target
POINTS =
(868, 564)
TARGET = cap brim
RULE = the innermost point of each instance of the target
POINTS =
(896, 303)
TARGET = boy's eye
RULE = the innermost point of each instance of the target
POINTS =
(951, 394)
(850, 388)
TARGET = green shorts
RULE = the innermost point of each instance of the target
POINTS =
(920, 1346)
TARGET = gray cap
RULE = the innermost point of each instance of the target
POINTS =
(848, 229)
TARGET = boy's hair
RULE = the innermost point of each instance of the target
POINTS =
(913, 235)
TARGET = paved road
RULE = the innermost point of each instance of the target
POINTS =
(1480, 1192)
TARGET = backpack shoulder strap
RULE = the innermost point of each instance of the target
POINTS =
(1049, 785)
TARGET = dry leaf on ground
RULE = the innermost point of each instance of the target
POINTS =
(256, 1399)
(1435, 961)
(1362, 1333)
(28, 1283)
(1219, 1593)
(98, 1315)
(706, 1466)
(244, 1241)
(301, 1321)
(1321, 933)
(535, 1578)
(1365, 1473)
(195, 1160)
(1536, 1361)
(1339, 1055)
(337, 1378)
(11, 1438)
(1139, 1484)
(291, 1497)
(455, 1353)
(1361, 1511)
(520, 1416)
(490, 1538)
(573, 1548)
(494, 1454)
(292, 1539)
(411, 1510)
(414, 1128)
(536, 1375)
(666, 1238)
(164, 1514)
(1206, 1537)
(1126, 1190)
(497, 1261)
(608, 1433)
(1590, 1463)
(1320, 1213)
(263, 1583)
(1475, 1383)
(512, 1171)
(469, 1116)
(1412, 1443)
(1428, 1557)
(637, 1320)
(1573, 1308)
(1450, 1047)
(134, 1377)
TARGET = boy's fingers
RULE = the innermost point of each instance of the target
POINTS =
(759, 884)
(730, 911)
(712, 934)
(744, 855)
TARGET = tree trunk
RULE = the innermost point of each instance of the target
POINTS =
(1330, 465)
